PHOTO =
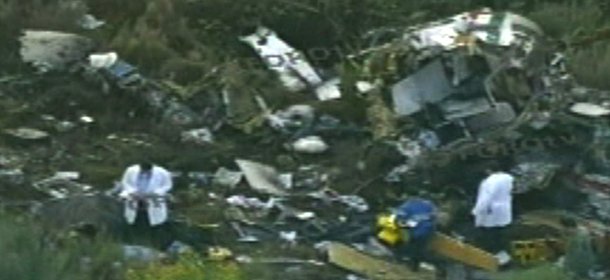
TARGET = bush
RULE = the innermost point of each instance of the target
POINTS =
(591, 65)
(29, 253)
(188, 267)
(546, 272)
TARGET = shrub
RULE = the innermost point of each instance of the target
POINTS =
(188, 267)
(29, 253)
(546, 272)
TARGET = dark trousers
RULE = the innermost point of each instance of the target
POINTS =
(141, 232)
(417, 250)
(493, 239)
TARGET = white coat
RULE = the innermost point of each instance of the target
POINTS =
(160, 184)
(494, 201)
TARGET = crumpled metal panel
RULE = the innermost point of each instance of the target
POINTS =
(428, 85)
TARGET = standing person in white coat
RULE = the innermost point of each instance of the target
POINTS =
(144, 188)
(493, 209)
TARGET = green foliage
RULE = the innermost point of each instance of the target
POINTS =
(591, 65)
(570, 18)
(580, 257)
(571, 21)
(546, 272)
(29, 253)
(188, 267)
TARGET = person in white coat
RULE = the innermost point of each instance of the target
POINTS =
(144, 189)
(493, 209)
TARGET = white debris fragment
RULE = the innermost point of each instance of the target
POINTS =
(329, 90)
(293, 68)
(355, 202)
(287, 180)
(282, 58)
(288, 236)
(27, 133)
(364, 86)
(310, 145)
(199, 136)
(48, 50)
(88, 21)
(87, 119)
(250, 203)
(590, 110)
(104, 60)
(262, 177)
(293, 116)
(228, 178)
(306, 216)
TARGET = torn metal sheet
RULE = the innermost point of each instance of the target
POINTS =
(50, 50)
(501, 114)
(262, 177)
(589, 110)
(226, 177)
(292, 66)
(457, 109)
(373, 268)
(428, 85)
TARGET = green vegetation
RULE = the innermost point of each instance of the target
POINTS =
(188, 267)
(30, 253)
(546, 272)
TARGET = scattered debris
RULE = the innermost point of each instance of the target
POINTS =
(12, 176)
(289, 236)
(533, 175)
(219, 254)
(201, 136)
(88, 21)
(50, 50)
(141, 253)
(243, 237)
(589, 110)
(227, 178)
(262, 178)
(310, 145)
(27, 133)
(249, 203)
(105, 60)
(62, 185)
(291, 65)
(178, 248)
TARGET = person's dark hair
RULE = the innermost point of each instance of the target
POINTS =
(146, 166)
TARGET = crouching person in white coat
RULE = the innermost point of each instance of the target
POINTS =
(144, 189)
(493, 211)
